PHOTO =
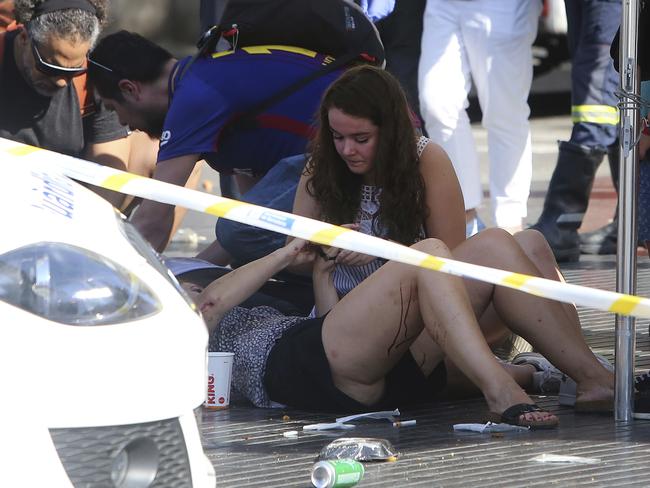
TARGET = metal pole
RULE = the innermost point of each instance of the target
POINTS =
(627, 202)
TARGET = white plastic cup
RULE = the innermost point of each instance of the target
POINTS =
(219, 378)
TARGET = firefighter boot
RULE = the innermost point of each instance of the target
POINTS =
(567, 198)
(603, 240)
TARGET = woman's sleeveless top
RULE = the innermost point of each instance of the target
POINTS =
(347, 277)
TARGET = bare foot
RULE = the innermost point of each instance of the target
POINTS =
(594, 398)
(597, 390)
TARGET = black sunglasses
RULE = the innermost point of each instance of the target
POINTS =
(55, 70)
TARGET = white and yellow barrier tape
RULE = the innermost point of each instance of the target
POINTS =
(321, 232)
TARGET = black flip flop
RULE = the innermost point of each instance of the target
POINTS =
(512, 416)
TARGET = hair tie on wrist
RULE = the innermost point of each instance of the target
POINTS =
(324, 255)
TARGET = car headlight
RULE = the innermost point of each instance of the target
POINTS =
(73, 286)
(152, 257)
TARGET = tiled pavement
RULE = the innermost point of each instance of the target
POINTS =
(247, 446)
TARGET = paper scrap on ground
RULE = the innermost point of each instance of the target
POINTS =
(341, 421)
(562, 459)
(489, 427)
(386, 414)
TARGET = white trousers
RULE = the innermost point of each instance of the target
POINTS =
(489, 42)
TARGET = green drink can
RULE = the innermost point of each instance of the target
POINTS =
(339, 473)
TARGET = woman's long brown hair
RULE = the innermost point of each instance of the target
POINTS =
(373, 94)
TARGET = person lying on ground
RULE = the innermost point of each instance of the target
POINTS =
(193, 108)
(369, 170)
(383, 344)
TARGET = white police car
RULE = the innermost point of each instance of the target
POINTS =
(102, 358)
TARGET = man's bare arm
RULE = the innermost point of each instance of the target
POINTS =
(113, 154)
(155, 220)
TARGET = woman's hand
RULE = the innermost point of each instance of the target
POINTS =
(353, 258)
(325, 260)
(298, 252)
(325, 296)
(203, 302)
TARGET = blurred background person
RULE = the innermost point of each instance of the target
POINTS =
(399, 23)
(592, 25)
(488, 42)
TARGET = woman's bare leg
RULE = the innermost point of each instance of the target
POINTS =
(547, 324)
(494, 329)
(369, 330)
(459, 386)
(535, 246)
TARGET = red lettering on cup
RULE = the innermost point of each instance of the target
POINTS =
(222, 400)
(211, 394)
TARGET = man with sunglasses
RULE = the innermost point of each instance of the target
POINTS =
(43, 97)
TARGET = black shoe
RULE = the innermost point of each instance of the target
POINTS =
(600, 241)
(641, 406)
(567, 198)
(642, 382)
(642, 396)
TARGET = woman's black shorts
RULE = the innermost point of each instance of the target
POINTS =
(298, 374)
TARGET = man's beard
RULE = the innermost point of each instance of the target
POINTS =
(153, 124)
(43, 86)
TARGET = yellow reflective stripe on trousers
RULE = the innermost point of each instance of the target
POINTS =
(595, 114)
